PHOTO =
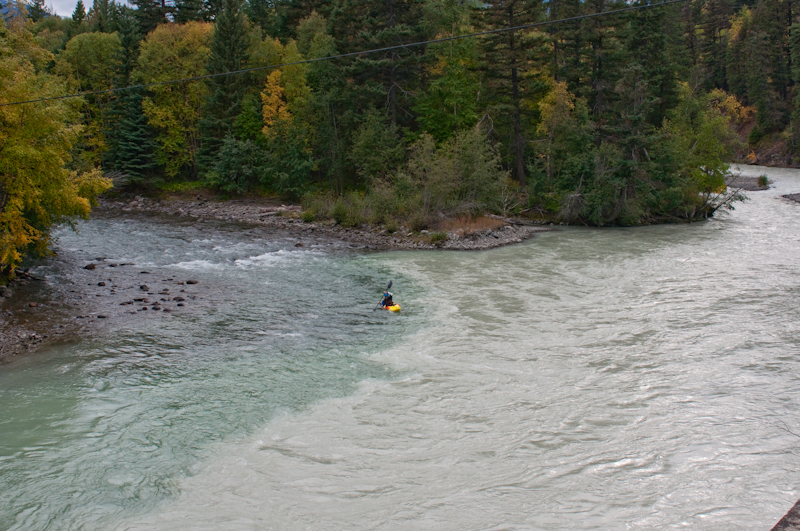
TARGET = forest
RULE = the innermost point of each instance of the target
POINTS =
(621, 119)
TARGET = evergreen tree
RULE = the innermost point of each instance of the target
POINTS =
(647, 43)
(131, 141)
(37, 10)
(134, 141)
(385, 79)
(262, 12)
(289, 13)
(99, 16)
(212, 9)
(508, 55)
(736, 65)
(715, 20)
(794, 48)
(79, 15)
(187, 10)
(229, 52)
(150, 13)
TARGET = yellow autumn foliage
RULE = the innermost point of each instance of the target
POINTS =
(175, 51)
(273, 99)
(286, 91)
(37, 191)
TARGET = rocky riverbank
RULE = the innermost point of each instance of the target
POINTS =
(504, 231)
(98, 293)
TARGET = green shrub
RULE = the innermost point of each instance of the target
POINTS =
(755, 136)
(418, 221)
(391, 225)
(438, 236)
(381, 202)
(181, 186)
(339, 211)
(763, 182)
(308, 216)
(239, 167)
(319, 204)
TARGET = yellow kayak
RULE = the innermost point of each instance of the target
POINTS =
(394, 308)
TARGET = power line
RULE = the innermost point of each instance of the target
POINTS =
(350, 54)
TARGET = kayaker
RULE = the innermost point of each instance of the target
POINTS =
(387, 299)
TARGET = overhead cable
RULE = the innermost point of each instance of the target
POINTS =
(350, 54)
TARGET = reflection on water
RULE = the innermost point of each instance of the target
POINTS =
(601, 379)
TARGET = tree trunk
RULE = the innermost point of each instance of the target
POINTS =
(518, 142)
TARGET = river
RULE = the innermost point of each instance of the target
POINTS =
(642, 378)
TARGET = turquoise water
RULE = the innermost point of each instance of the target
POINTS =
(98, 429)
(588, 379)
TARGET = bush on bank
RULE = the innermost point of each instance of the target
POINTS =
(462, 176)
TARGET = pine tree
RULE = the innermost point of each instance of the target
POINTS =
(37, 10)
(99, 16)
(229, 52)
(135, 144)
(794, 48)
(131, 141)
(647, 43)
(715, 20)
(187, 10)
(289, 13)
(385, 79)
(263, 13)
(79, 15)
(508, 55)
(150, 13)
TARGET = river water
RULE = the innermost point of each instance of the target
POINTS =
(644, 378)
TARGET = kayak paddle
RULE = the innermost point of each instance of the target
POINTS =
(387, 289)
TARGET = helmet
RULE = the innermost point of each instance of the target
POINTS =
(387, 293)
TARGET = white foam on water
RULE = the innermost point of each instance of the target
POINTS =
(274, 258)
(198, 265)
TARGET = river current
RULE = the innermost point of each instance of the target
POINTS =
(642, 378)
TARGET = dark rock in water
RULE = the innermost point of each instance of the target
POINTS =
(139, 300)
(144, 307)
(144, 272)
(101, 283)
(90, 267)
(793, 197)
(99, 259)
(112, 265)
(102, 317)
(167, 310)
(191, 282)
(178, 299)
(298, 245)
(790, 522)
(180, 304)
(32, 304)
(144, 287)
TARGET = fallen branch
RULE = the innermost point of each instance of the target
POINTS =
(27, 275)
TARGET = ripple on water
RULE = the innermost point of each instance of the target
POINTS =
(595, 379)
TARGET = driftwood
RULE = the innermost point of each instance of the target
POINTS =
(27, 275)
